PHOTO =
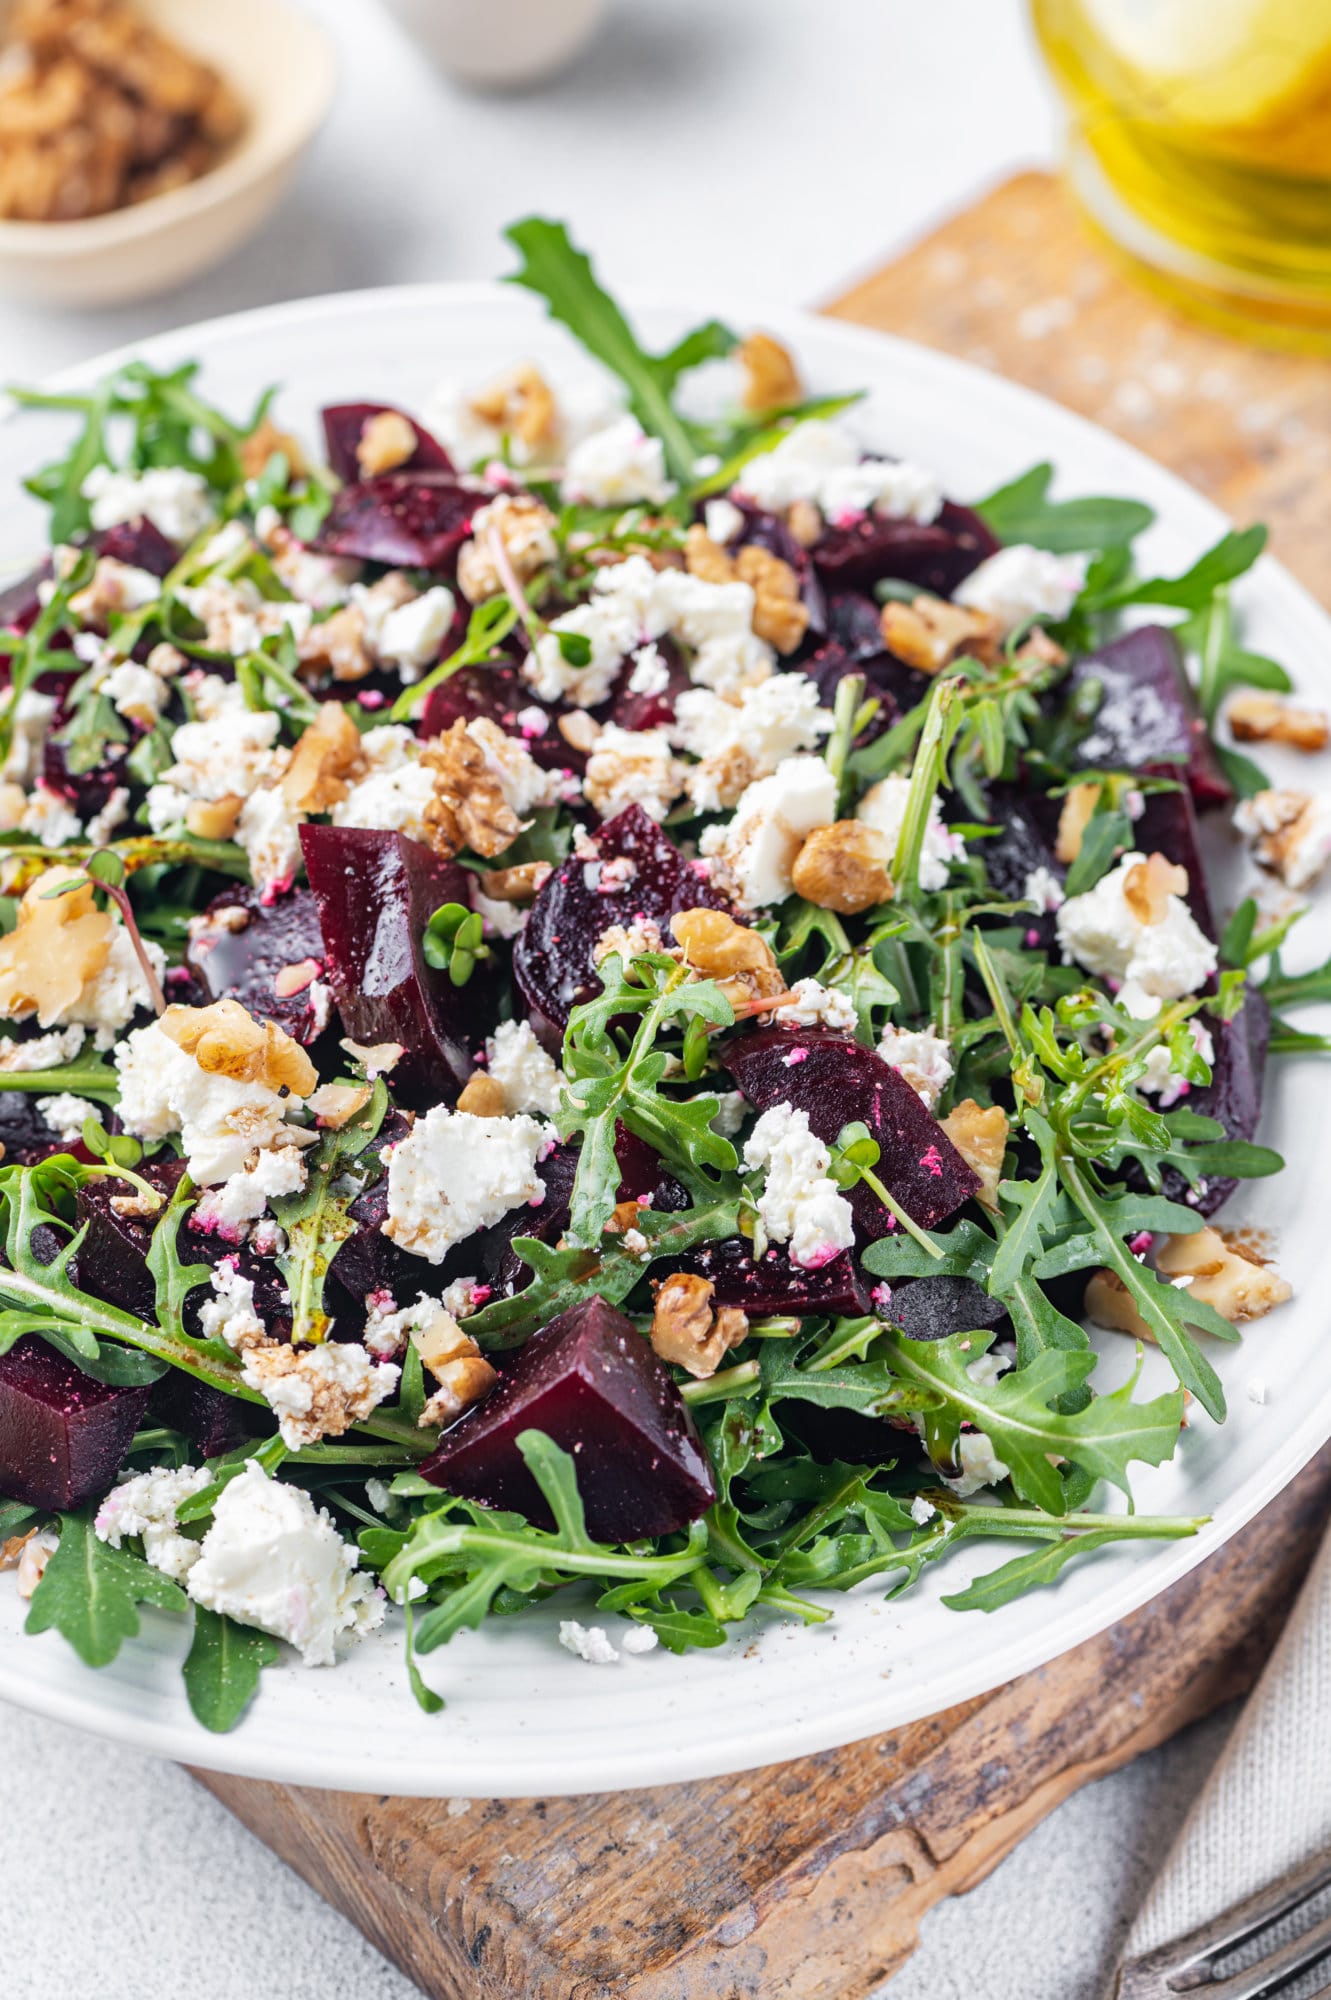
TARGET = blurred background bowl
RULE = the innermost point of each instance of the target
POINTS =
(500, 44)
(281, 64)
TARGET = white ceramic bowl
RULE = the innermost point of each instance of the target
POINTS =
(282, 65)
(501, 44)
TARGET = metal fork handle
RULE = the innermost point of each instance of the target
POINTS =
(1185, 1965)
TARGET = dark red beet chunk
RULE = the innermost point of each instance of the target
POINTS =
(418, 519)
(591, 1382)
(213, 1422)
(87, 791)
(1233, 1096)
(233, 959)
(25, 1134)
(776, 1285)
(650, 711)
(839, 1083)
(139, 544)
(553, 960)
(376, 893)
(63, 1437)
(937, 557)
(343, 424)
(1148, 719)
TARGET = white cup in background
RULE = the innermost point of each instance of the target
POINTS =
(500, 44)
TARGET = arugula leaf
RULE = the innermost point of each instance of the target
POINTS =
(13, 1515)
(562, 275)
(1231, 556)
(1023, 512)
(318, 1219)
(1015, 1413)
(1108, 835)
(222, 1668)
(1043, 1566)
(1223, 664)
(90, 1593)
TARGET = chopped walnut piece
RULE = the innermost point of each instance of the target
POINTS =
(929, 633)
(805, 522)
(377, 1058)
(844, 867)
(688, 1330)
(980, 1136)
(468, 808)
(705, 558)
(1148, 886)
(521, 884)
(1225, 1273)
(779, 614)
(521, 401)
(336, 1104)
(1290, 833)
(482, 1096)
(337, 646)
(1263, 718)
(387, 440)
(292, 979)
(1109, 1303)
(57, 948)
(36, 1553)
(265, 439)
(226, 1040)
(771, 379)
(716, 947)
(1076, 814)
(213, 819)
(456, 1363)
(326, 760)
(579, 731)
(11, 1551)
(526, 528)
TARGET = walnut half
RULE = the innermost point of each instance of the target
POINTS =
(715, 947)
(688, 1330)
(844, 867)
(226, 1040)
(980, 1136)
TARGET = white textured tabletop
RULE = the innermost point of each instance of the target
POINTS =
(696, 144)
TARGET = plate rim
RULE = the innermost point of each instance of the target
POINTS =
(777, 1741)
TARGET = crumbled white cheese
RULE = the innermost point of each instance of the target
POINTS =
(922, 1057)
(753, 854)
(590, 1642)
(523, 782)
(222, 1121)
(650, 673)
(723, 521)
(269, 831)
(229, 1315)
(273, 1560)
(135, 692)
(581, 408)
(147, 1506)
(31, 720)
(242, 1197)
(979, 1462)
(237, 618)
(617, 466)
(1155, 962)
(117, 990)
(530, 1079)
(388, 1330)
(922, 1511)
(115, 587)
(454, 1174)
(631, 766)
(43, 1051)
(747, 737)
(502, 920)
(818, 1006)
(799, 1204)
(884, 806)
(43, 813)
(1043, 888)
(639, 1639)
(112, 815)
(1019, 583)
(317, 1392)
(410, 636)
(732, 1108)
(818, 462)
(396, 788)
(177, 502)
(66, 1115)
(226, 754)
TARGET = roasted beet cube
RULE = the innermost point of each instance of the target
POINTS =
(1148, 719)
(646, 708)
(838, 1083)
(376, 894)
(213, 1422)
(775, 1285)
(937, 557)
(343, 425)
(590, 1381)
(63, 1437)
(25, 1134)
(554, 958)
(1233, 1096)
(245, 943)
(418, 520)
(139, 544)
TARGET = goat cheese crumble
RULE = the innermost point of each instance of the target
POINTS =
(799, 1204)
(1020, 583)
(1155, 962)
(455, 1173)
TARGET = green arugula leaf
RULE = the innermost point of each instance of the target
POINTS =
(14, 1515)
(1023, 512)
(1043, 1566)
(222, 1668)
(562, 275)
(90, 1593)
(1223, 664)
(317, 1220)
(1231, 557)
(1108, 835)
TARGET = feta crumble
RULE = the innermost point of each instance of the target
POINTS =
(222, 1121)
(799, 1204)
(817, 461)
(754, 853)
(617, 466)
(455, 1173)
(1020, 583)
(530, 1079)
(747, 737)
(818, 1006)
(1155, 962)
(147, 1506)
(590, 1642)
(923, 1058)
(65, 1115)
(177, 502)
(271, 1559)
(317, 1392)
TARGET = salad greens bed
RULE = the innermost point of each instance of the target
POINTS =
(860, 1350)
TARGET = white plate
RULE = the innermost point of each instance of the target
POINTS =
(523, 1716)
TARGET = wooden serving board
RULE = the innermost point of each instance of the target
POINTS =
(806, 1881)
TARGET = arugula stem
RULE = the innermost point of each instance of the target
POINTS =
(893, 1206)
(740, 1380)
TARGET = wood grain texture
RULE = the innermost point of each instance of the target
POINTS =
(807, 1881)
